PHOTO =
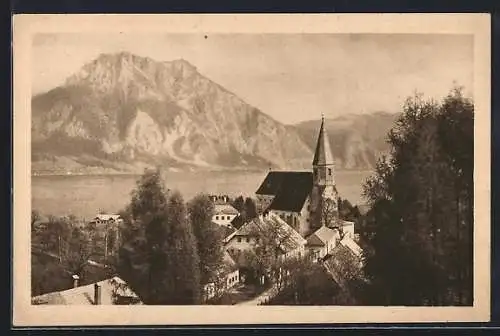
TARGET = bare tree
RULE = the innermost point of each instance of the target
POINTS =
(274, 240)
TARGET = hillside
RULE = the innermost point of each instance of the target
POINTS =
(356, 140)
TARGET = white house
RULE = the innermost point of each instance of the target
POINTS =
(250, 234)
(106, 218)
(230, 275)
(224, 214)
(321, 242)
(348, 228)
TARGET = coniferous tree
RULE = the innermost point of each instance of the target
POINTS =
(208, 237)
(250, 209)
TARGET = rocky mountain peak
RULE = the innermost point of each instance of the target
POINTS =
(122, 108)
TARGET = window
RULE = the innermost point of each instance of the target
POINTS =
(330, 171)
(239, 239)
(248, 239)
(217, 217)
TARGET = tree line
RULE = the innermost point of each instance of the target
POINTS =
(170, 248)
(420, 225)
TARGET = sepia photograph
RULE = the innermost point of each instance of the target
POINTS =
(229, 170)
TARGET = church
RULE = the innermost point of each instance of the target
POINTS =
(306, 200)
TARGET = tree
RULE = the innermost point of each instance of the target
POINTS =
(421, 198)
(329, 213)
(250, 209)
(159, 258)
(247, 209)
(78, 251)
(182, 276)
(208, 237)
(273, 241)
(239, 203)
(307, 284)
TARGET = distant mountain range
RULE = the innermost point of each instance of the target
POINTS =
(356, 140)
(122, 113)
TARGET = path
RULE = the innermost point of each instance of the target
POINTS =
(266, 295)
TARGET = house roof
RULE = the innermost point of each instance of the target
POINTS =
(260, 225)
(352, 246)
(225, 209)
(106, 217)
(290, 189)
(323, 154)
(322, 236)
(229, 262)
(249, 228)
(225, 231)
(84, 295)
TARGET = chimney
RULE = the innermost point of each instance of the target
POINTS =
(97, 294)
(75, 280)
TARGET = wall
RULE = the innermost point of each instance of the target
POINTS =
(348, 228)
(218, 219)
(242, 245)
(233, 278)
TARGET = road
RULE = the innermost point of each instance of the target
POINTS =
(266, 295)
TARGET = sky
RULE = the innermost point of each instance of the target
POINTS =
(291, 77)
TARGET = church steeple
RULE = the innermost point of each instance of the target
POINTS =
(324, 196)
(323, 164)
(323, 154)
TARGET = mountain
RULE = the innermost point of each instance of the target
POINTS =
(356, 140)
(122, 112)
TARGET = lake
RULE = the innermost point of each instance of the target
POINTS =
(84, 196)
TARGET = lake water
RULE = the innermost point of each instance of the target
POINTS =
(83, 196)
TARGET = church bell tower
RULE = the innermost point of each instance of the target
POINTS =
(324, 191)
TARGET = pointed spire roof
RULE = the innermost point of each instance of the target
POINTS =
(323, 154)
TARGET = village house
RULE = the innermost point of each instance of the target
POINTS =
(322, 242)
(251, 234)
(224, 214)
(113, 291)
(229, 274)
(108, 227)
(107, 219)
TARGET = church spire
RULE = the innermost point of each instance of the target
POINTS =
(323, 154)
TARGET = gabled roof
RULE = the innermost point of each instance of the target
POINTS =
(84, 295)
(322, 236)
(250, 228)
(260, 225)
(105, 217)
(276, 179)
(352, 246)
(225, 231)
(323, 153)
(290, 189)
(226, 209)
